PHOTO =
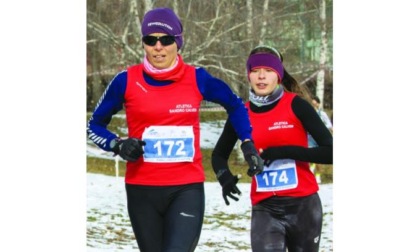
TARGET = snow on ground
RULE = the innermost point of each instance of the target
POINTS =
(225, 228)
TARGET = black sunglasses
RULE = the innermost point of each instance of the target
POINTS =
(164, 40)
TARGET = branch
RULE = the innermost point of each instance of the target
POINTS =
(309, 78)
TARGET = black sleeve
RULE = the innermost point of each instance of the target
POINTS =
(223, 148)
(323, 153)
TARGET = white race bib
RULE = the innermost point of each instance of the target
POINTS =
(168, 144)
(280, 175)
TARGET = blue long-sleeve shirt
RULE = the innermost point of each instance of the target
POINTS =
(211, 88)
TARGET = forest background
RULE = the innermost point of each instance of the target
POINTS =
(218, 35)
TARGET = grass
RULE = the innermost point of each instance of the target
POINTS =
(118, 125)
(104, 166)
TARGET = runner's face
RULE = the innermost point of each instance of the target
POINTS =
(161, 57)
(263, 81)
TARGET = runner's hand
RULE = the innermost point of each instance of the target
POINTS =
(270, 154)
(129, 149)
(228, 183)
(255, 162)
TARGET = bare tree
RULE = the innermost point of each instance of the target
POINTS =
(323, 54)
(148, 5)
(249, 26)
(95, 87)
(264, 22)
(218, 36)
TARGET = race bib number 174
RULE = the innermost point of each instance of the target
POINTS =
(280, 175)
(168, 144)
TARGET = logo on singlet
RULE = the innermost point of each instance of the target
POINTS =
(183, 108)
(280, 125)
(138, 84)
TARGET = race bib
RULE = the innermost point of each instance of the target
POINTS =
(168, 144)
(280, 175)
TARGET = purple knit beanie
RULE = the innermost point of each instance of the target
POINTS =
(162, 20)
(265, 60)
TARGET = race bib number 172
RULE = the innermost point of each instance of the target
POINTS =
(168, 144)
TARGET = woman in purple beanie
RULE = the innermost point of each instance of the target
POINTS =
(286, 208)
(161, 97)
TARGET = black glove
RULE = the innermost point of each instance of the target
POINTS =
(228, 183)
(256, 164)
(129, 149)
(270, 154)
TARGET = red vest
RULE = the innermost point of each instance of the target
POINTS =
(279, 127)
(176, 104)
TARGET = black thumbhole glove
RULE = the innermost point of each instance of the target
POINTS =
(228, 183)
(129, 149)
(270, 154)
(255, 162)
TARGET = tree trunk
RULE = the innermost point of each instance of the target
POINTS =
(148, 5)
(249, 24)
(320, 81)
(264, 23)
(96, 83)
